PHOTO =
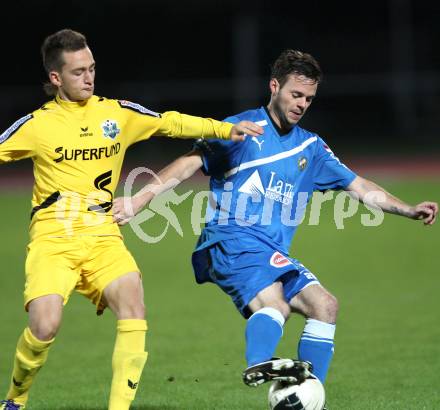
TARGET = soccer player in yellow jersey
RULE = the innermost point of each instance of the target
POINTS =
(77, 143)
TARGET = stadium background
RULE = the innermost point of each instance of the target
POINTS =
(378, 108)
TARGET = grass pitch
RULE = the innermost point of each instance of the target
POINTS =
(387, 346)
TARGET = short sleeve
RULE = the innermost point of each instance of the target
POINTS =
(18, 141)
(140, 122)
(329, 171)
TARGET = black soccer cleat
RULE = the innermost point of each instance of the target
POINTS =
(285, 370)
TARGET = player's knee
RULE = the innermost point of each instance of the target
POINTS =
(282, 307)
(326, 309)
(332, 308)
(131, 309)
(45, 329)
(286, 311)
(138, 310)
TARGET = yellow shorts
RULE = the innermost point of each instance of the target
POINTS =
(84, 263)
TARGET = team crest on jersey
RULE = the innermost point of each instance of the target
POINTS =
(137, 107)
(279, 261)
(302, 163)
(110, 128)
(14, 127)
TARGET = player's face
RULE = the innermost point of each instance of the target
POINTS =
(76, 81)
(290, 102)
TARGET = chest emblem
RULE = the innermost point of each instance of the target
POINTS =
(302, 163)
(110, 129)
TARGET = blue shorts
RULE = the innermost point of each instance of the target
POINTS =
(243, 270)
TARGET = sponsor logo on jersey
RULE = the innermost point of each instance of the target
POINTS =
(277, 189)
(86, 154)
(279, 261)
(253, 185)
(110, 128)
(101, 181)
(14, 127)
(85, 132)
(137, 107)
(302, 163)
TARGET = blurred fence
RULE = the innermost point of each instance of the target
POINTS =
(381, 89)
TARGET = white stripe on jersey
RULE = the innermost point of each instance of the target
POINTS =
(261, 123)
(14, 127)
(272, 158)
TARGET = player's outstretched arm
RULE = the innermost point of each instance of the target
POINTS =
(372, 194)
(125, 208)
(176, 125)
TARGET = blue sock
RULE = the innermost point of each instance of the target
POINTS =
(316, 345)
(263, 332)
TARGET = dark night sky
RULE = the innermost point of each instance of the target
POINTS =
(373, 91)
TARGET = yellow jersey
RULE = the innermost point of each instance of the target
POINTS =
(77, 149)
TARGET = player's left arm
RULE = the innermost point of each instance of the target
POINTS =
(374, 195)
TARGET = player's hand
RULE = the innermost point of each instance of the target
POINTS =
(240, 130)
(426, 212)
(125, 208)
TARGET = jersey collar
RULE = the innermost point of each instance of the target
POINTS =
(278, 130)
(72, 105)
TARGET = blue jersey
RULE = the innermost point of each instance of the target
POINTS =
(260, 187)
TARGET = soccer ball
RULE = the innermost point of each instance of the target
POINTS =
(309, 395)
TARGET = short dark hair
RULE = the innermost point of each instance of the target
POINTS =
(52, 51)
(295, 62)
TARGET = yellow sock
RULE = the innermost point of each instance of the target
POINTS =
(30, 355)
(128, 361)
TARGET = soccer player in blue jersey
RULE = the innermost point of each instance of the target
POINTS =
(261, 187)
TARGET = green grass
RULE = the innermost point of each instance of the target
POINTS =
(386, 279)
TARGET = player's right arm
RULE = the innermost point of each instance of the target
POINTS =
(141, 124)
(125, 208)
(177, 125)
(18, 141)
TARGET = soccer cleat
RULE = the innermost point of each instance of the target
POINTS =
(10, 405)
(285, 370)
